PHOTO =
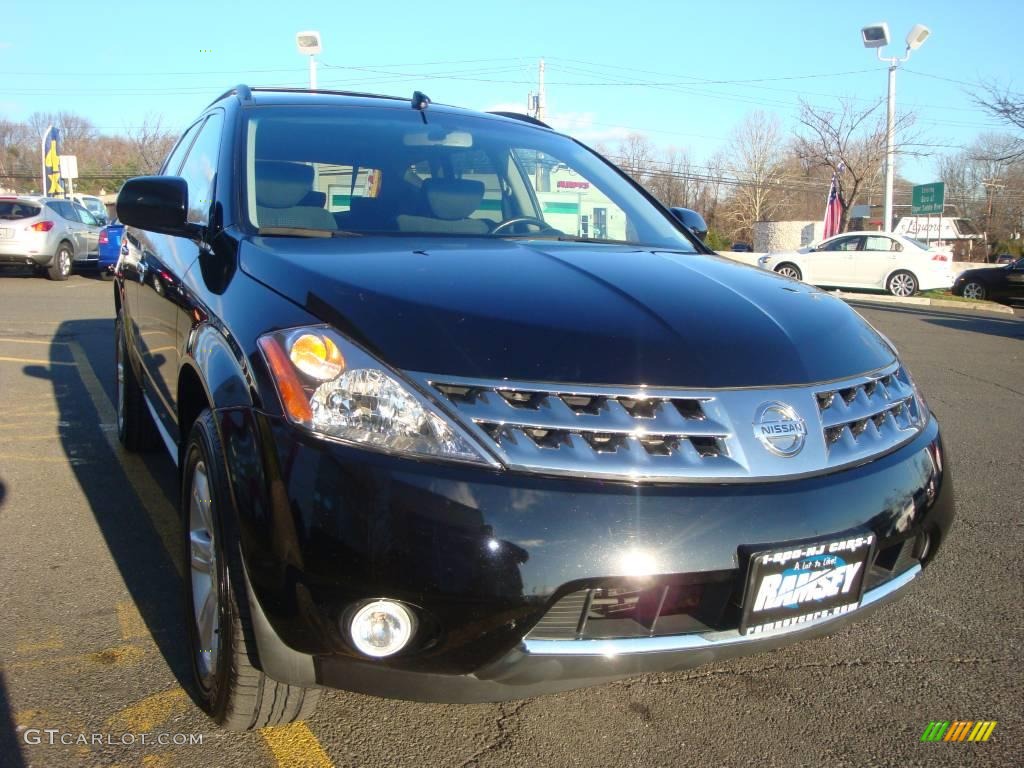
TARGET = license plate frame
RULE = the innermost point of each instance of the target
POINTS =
(797, 584)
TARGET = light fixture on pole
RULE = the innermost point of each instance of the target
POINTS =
(309, 45)
(877, 36)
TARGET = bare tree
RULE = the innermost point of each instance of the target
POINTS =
(755, 159)
(152, 143)
(849, 142)
(635, 156)
(1007, 106)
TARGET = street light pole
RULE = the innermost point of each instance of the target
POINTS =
(309, 44)
(877, 36)
(312, 73)
(890, 148)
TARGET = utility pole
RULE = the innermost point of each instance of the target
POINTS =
(991, 186)
(538, 104)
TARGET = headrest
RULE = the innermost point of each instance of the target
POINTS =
(453, 199)
(281, 184)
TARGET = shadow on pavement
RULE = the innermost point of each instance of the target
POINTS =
(10, 749)
(128, 523)
(1010, 327)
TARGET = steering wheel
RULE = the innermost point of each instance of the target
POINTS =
(539, 223)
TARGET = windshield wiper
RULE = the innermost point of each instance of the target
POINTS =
(305, 232)
(566, 239)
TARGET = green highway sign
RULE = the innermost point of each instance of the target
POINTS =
(928, 199)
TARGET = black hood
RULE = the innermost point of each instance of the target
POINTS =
(568, 312)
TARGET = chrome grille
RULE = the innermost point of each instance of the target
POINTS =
(646, 433)
(864, 418)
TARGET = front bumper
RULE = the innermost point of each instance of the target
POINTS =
(323, 526)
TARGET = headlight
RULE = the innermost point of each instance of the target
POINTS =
(762, 261)
(334, 389)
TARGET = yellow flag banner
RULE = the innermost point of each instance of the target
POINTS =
(52, 185)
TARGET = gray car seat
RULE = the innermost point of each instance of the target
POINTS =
(280, 188)
(450, 201)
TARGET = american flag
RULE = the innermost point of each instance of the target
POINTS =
(833, 210)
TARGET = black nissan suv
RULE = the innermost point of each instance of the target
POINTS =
(462, 413)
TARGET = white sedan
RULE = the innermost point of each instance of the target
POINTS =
(898, 264)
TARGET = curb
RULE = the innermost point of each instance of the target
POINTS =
(972, 306)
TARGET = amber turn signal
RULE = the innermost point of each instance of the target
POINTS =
(317, 356)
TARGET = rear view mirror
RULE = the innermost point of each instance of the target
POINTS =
(155, 204)
(460, 139)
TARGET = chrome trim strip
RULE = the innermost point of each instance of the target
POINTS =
(699, 642)
(164, 434)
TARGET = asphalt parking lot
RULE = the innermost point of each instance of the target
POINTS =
(91, 641)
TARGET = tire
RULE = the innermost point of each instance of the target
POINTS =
(60, 265)
(974, 290)
(901, 283)
(135, 428)
(788, 269)
(228, 685)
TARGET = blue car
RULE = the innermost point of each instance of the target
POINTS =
(109, 248)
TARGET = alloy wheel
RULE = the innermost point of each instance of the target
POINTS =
(902, 285)
(789, 272)
(974, 291)
(204, 575)
(65, 261)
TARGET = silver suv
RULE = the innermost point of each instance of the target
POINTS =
(48, 234)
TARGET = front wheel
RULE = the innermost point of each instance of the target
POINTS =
(902, 284)
(789, 270)
(234, 692)
(60, 266)
(974, 291)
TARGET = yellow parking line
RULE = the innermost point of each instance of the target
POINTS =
(150, 713)
(33, 362)
(130, 621)
(79, 662)
(47, 342)
(295, 746)
(51, 643)
(154, 501)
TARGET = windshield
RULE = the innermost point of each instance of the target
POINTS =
(383, 170)
(918, 243)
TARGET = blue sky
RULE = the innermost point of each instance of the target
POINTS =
(117, 62)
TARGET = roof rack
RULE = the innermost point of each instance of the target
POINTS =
(364, 94)
(241, 90)
(521, 116)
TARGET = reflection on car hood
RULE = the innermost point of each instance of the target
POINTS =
(568, 312)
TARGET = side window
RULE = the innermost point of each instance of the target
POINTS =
(879, 243)
(84, 216)
(65, 211)
(200, 168)
(173, 161)
(844, 244)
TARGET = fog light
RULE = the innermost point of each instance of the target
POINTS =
(381, 628)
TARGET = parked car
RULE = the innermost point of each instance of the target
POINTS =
(1004, 284)
(741, 248)
(109, 248)
(434, 444)
(879, 260)
(47, 234)
(692, 221)
(1003, 258)
(94, 205)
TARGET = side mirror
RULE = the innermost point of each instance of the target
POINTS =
(156, 204)
(692, 220)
